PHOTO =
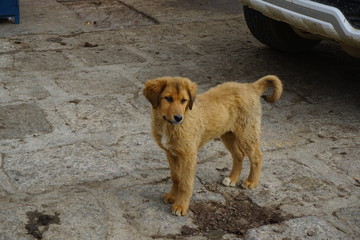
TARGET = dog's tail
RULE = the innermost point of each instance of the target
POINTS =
(269, 81)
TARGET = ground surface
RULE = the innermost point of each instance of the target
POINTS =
(77, 158)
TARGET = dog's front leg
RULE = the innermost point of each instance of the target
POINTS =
(170, 197)
(185, 171)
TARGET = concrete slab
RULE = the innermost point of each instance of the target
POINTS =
(17, 121)
(301, 228)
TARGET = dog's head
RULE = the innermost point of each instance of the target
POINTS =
(171, 96)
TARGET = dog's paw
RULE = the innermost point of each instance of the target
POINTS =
(227, 182)
(249, 184)
(169, 198)
(179, 210)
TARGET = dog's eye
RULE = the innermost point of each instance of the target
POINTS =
(183, 100)
(169, 99)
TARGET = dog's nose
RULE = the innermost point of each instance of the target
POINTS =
(178, 118)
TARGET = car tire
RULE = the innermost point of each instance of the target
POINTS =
(276, 34)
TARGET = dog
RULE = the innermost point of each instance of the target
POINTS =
(182, 122)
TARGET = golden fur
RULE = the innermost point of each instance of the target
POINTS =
(181, 125)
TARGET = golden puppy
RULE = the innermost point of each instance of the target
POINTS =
(181, 125)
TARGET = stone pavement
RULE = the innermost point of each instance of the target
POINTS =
(77, 158)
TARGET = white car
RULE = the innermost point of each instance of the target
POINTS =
(297, 25)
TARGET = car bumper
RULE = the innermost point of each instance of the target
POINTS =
(315, 18)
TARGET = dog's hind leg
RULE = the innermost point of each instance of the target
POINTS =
(232, 144)
(255, 157)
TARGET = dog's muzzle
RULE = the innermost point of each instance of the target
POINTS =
(177, 119)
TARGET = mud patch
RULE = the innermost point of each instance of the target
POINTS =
(235, 216)
(39, 223)
(107, 13)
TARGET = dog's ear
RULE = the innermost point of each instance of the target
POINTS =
(152, 90)
(192, 88)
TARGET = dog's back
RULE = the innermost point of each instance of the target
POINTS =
(230, 105)
(242, 92)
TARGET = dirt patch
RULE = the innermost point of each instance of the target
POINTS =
(235, 216)
(39, 223)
